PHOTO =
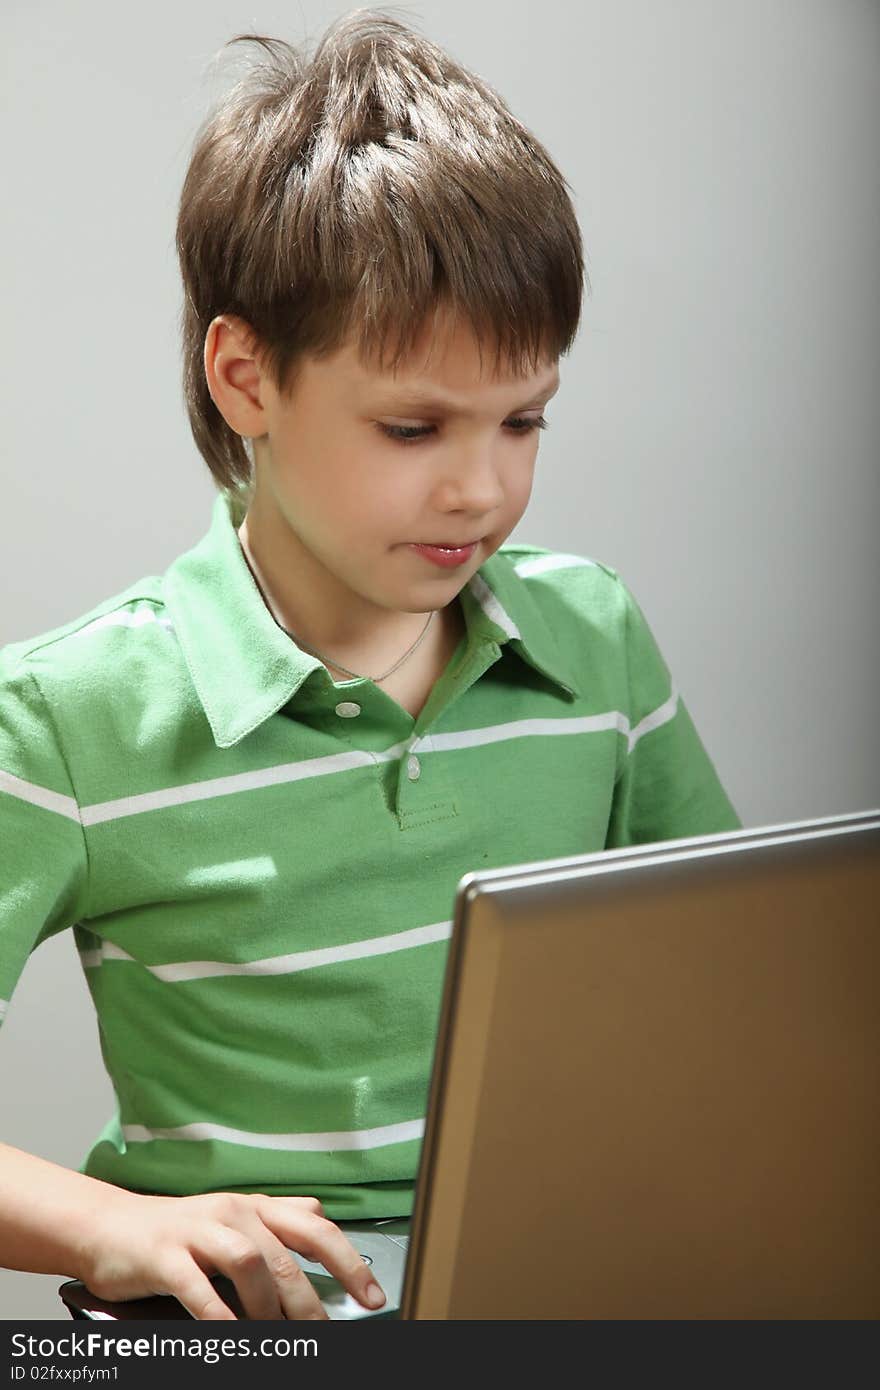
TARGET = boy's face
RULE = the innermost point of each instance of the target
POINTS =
(338, 502)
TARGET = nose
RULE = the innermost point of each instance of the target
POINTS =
(471, 481)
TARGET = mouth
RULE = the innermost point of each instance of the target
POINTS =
(448, 545)
(444, 553)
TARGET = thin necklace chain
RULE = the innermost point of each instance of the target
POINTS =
(251, 564)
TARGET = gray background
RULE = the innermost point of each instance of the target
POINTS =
(716, 434)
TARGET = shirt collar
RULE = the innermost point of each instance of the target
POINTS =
(244, 666)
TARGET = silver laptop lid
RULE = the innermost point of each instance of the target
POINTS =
(655, 1087)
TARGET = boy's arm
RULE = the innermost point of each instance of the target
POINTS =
(44, 1209)
(46, 1214)
(43, 859)
(123, 1244)
(667, 787)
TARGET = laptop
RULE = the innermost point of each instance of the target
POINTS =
(654, 1092)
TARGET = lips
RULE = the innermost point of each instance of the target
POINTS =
(444, 555)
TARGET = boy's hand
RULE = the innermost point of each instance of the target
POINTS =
(140, 1245)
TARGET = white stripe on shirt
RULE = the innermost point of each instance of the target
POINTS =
(334, 762)
(302, 1143)
(277, 965)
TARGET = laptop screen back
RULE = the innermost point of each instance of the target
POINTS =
(655, 1092)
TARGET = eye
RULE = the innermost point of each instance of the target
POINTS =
(411, 434)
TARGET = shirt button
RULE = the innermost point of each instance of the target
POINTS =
(348, 709)
(413, 768)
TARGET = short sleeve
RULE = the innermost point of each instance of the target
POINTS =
(43, 863)
(667, 788)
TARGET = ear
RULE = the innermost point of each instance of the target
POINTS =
(232, 371)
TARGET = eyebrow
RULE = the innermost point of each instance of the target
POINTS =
(421, 400)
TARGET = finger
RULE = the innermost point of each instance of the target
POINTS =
(238, 1255)
(191, 1286)
(298, 1296)
(322, 1241)
(313, 1204)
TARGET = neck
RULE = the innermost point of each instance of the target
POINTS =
(353, 651)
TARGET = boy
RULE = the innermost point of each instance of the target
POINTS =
(252, 784)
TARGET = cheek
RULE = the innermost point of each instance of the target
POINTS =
(383, 490)
(369, 505)
(520, 485)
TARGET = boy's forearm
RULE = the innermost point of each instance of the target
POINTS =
(46, 1213)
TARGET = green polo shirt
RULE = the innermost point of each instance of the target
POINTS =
(259, 863)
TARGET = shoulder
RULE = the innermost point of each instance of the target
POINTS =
(107, 644)
(580, 586)
(538, 559)
(589, 608)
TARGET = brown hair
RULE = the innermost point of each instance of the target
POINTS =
(351, 194)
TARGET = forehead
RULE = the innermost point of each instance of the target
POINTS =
(446, 367)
